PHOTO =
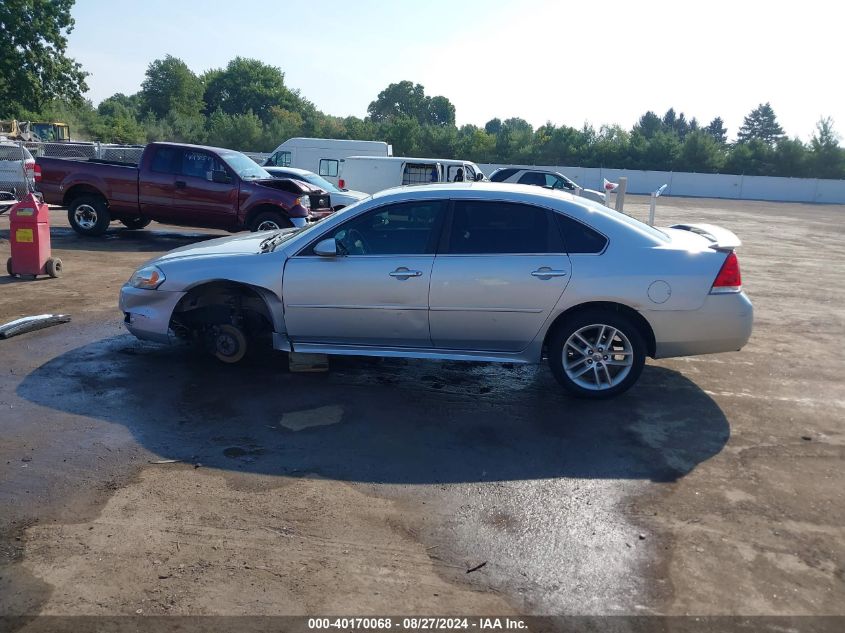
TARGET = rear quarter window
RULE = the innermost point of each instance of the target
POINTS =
(578, 237)
(503, 174)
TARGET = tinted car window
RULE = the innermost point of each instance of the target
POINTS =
(503, 174)
(533, 178)
(412, 228)
(579, 238)
(501, 227)
(166, 160)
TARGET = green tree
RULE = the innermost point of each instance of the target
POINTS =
(789, 158)
(171, 88)
(716, 128)
(648, 125)
(827, 158)
(761, 124)
(441, 112)
(400, 100)
(493, 126)
(34, 68)
(249, 85)
(700, 152)
(235, 131)
(753, 158)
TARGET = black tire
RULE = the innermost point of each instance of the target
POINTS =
(597, 363)
(9, 267)
(53, 266)
(230, 343)
(269, 221)
(89, 215)
(133, 224)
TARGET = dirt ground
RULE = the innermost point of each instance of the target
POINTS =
(714, 487)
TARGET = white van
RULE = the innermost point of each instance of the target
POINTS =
(462, 169)
(374, 173)
(323, 156)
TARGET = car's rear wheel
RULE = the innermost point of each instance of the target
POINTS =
(89, 215)
(597, 354)
(270, 221)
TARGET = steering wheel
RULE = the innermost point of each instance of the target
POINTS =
(354, 242)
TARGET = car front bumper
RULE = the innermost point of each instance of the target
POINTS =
(722, 324)
(146, 313)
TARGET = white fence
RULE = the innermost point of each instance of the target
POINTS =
(704, 185)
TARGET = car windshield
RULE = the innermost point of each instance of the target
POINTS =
(244, 166)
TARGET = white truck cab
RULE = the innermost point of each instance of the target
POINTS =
(371, 174)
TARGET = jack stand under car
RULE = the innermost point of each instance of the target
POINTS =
(29, 235)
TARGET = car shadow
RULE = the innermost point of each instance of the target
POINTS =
(382, 420)
(151, 239)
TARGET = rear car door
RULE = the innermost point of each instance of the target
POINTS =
(501, 270)
(197, 199)
(375, 292)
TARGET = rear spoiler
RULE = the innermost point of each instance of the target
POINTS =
(722, 239)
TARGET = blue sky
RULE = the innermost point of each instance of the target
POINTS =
(555, 61)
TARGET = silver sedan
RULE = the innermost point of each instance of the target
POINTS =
(467, 271)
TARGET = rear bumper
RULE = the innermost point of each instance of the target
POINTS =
(722, 324)
(146, 313)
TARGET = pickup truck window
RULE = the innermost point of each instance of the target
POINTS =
(166, 160)
(199, 164)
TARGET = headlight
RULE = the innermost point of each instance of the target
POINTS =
(304, 201)
(148, 278)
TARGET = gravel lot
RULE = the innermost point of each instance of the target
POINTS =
(716, 486)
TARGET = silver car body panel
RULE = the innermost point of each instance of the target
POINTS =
(463, 307)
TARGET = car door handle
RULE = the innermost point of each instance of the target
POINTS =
(181, 184)
(404, 273)
(547, 273)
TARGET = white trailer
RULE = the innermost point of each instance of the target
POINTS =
(324, 156)
(371, 174)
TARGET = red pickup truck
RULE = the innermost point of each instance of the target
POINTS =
(188, 185)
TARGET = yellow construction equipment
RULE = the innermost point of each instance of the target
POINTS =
(43, 131)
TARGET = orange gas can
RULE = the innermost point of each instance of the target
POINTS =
(29, 236)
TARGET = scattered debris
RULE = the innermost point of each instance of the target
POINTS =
(642, 536)
(806, 438)
(165, 461)
(31, 323)
(477, 567)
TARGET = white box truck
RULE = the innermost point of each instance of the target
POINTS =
(323, 156)
(375, 173)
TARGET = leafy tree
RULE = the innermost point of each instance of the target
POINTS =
(249, 85)
(171, 88)
(669, 119)
(441, 111)
(789, 158)
(493, 126)
(400, 100)
(34, 68)
(403, 133)
(716, 128)
(648, 125)
(827, 159)
(700, 153)
(235, 131)
(761, 124)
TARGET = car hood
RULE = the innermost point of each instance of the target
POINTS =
(248, 244)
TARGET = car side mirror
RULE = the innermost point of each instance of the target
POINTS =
(479, 177)
(326, 248)
(221, 177)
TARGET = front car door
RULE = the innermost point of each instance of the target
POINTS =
(494, 283)
(375, 292)
(197, 199)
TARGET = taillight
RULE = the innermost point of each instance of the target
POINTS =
(341, 183)
(33, 171)
(728, 279)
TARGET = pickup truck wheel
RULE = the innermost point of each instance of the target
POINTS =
(88, 215)
(134, 224)
(270, 221)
